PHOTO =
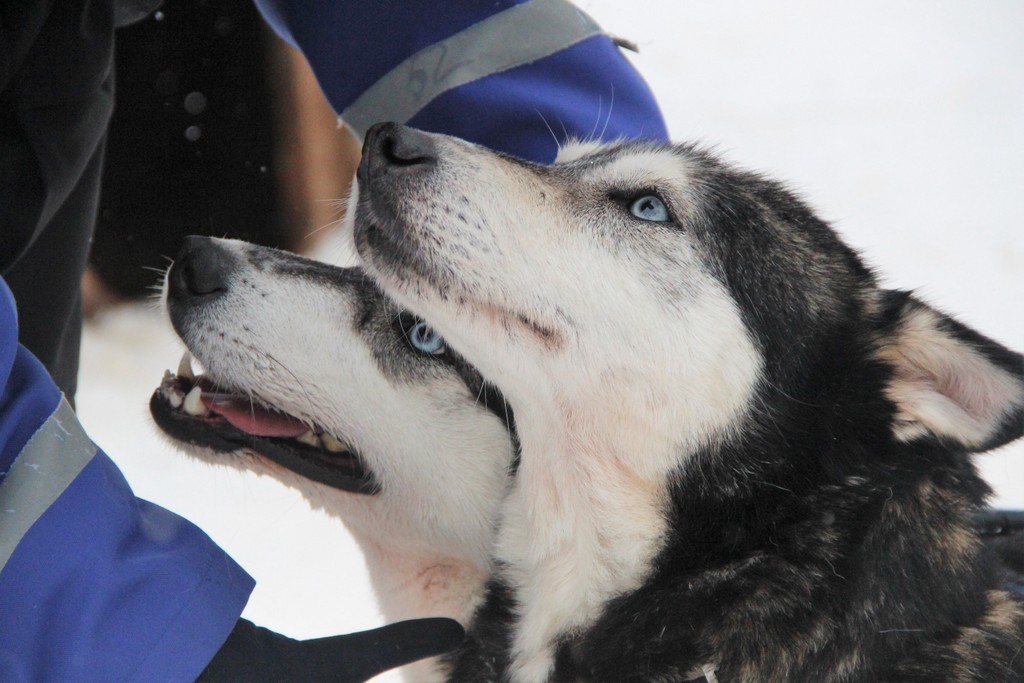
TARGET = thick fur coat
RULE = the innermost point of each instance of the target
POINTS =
(741, 458)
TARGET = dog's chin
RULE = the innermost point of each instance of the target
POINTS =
(313, 454)
(382, 252)
(388, 249)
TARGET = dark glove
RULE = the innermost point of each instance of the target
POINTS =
(254, 654)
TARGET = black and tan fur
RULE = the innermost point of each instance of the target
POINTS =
(824, 533)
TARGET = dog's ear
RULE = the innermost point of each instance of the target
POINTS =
(948, 380)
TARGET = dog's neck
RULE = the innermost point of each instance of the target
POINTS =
(420, 584)
(417, 584)
(580, 526)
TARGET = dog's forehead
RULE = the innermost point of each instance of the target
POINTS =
(627, 164)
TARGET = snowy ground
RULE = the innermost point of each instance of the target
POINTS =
(902, 122)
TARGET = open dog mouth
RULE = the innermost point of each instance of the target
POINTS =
(195, 410)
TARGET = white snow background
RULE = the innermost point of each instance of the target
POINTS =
(902, 122)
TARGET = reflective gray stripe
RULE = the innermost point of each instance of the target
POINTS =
(513, 37)
(50, 461)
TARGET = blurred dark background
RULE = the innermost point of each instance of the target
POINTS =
(219, 129)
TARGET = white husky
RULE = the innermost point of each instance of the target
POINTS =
(316, 379)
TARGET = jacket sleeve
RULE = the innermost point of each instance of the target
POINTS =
(95, 584)
(519, 77)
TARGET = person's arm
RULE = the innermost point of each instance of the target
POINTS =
(519, 77)
(95, 584)
(98, 585)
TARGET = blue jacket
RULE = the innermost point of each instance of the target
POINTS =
(95, 584)
(518, 77)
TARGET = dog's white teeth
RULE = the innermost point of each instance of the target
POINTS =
(193, 403)
(168, 375)
(171, 393)
(185, 366)
(332, 444)
(309, 438)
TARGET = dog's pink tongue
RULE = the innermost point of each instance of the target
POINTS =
(253, 419)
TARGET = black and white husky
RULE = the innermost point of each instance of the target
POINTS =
(740, 457)
(313, 377)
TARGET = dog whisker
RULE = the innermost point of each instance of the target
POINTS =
(548, 126)
(608, 119)
(597, 119)
(310, 405)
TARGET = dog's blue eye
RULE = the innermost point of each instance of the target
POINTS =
(424, 339)
(649, 208)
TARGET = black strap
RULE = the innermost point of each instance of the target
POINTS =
(998, 522)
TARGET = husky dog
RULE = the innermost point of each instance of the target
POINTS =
(740, 457)
(315, 378)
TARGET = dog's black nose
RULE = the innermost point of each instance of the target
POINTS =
(201, 269)
(390, 145)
